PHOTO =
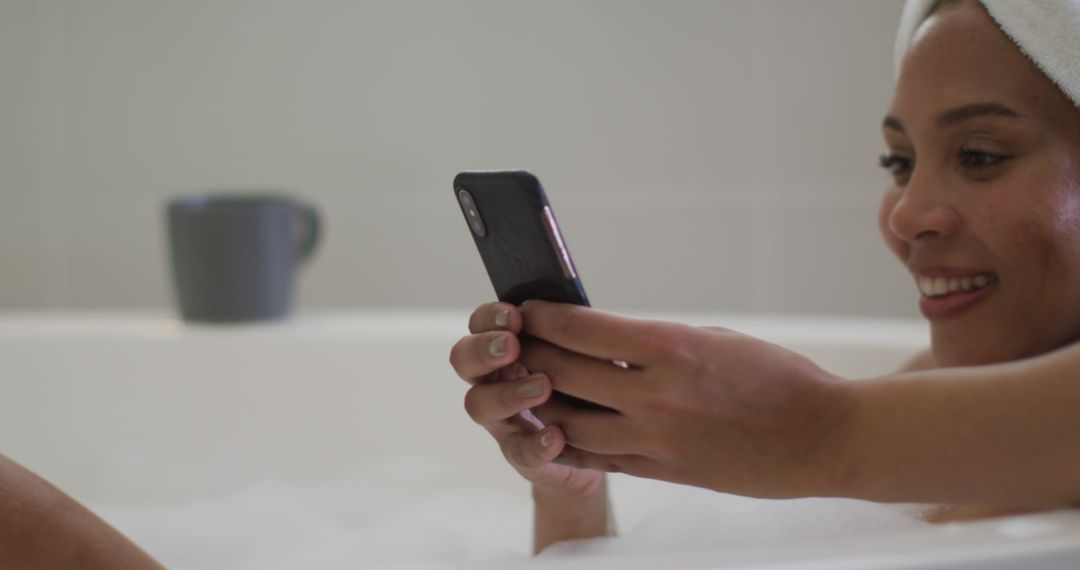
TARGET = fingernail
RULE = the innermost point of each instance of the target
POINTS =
(531, 389)
(502, 318)
(547, 438)
(498, 346)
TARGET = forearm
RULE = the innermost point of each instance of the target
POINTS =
(1006, 434)
(559, 517)
(41, 527)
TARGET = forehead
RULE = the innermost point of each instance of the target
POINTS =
(959, 56)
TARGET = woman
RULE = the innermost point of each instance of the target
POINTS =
(984, 209)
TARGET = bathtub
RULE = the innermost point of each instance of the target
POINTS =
(339, 441)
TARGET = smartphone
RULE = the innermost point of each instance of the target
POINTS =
(517, 235)
(521, 245)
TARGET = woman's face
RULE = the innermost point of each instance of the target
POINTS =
(984, 207)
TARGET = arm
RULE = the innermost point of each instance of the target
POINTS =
(1004, 434)
(717, 409)
(944, 513)
(44, 528)
(558, 517)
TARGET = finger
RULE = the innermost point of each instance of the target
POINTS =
(511, 371)
(495, 316)
(597, 381)
(596, 431)
(530, 450)
(490, 404)
(637, 465)
(481, 354)
(590, 332)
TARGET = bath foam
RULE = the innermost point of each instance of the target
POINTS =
(401, 517)
(657, 518)
(398, 515)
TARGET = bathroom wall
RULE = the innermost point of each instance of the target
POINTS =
(701, 154)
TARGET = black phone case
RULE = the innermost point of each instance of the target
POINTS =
(523, 250)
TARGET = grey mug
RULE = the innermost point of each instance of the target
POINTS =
(235, 256)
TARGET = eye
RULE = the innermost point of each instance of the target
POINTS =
(898, 166)
(978, 160)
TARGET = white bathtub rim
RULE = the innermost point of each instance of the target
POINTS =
(848, 331)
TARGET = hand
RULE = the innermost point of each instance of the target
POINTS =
(502, 394)
(704, 407)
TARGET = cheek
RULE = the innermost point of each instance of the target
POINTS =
(1060, 232)
(1057, 242)
(1035, 244)
(1067, 220)
(896, 245)
(1045, 245)
(1045, 263)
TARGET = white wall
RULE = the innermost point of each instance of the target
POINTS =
(713, 155)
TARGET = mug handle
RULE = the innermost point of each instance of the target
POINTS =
(312, 233)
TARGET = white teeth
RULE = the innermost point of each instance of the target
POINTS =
(926, 285)
(938, 286)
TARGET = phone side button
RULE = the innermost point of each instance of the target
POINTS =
(560, 246)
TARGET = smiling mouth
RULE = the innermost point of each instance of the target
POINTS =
(941, 287)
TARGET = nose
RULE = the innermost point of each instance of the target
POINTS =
(923, 212)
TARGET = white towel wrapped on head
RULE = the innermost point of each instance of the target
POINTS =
(1047, 31)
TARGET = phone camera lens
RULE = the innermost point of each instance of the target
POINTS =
(472, 215)
(478, 228)
(465, 197)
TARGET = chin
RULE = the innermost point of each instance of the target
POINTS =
(983, 338)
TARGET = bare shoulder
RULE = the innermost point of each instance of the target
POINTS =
(924, 360)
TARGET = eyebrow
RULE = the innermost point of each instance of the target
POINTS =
(958, 115)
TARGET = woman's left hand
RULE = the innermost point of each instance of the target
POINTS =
(704, 407)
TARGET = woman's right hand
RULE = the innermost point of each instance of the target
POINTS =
(503, 391)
